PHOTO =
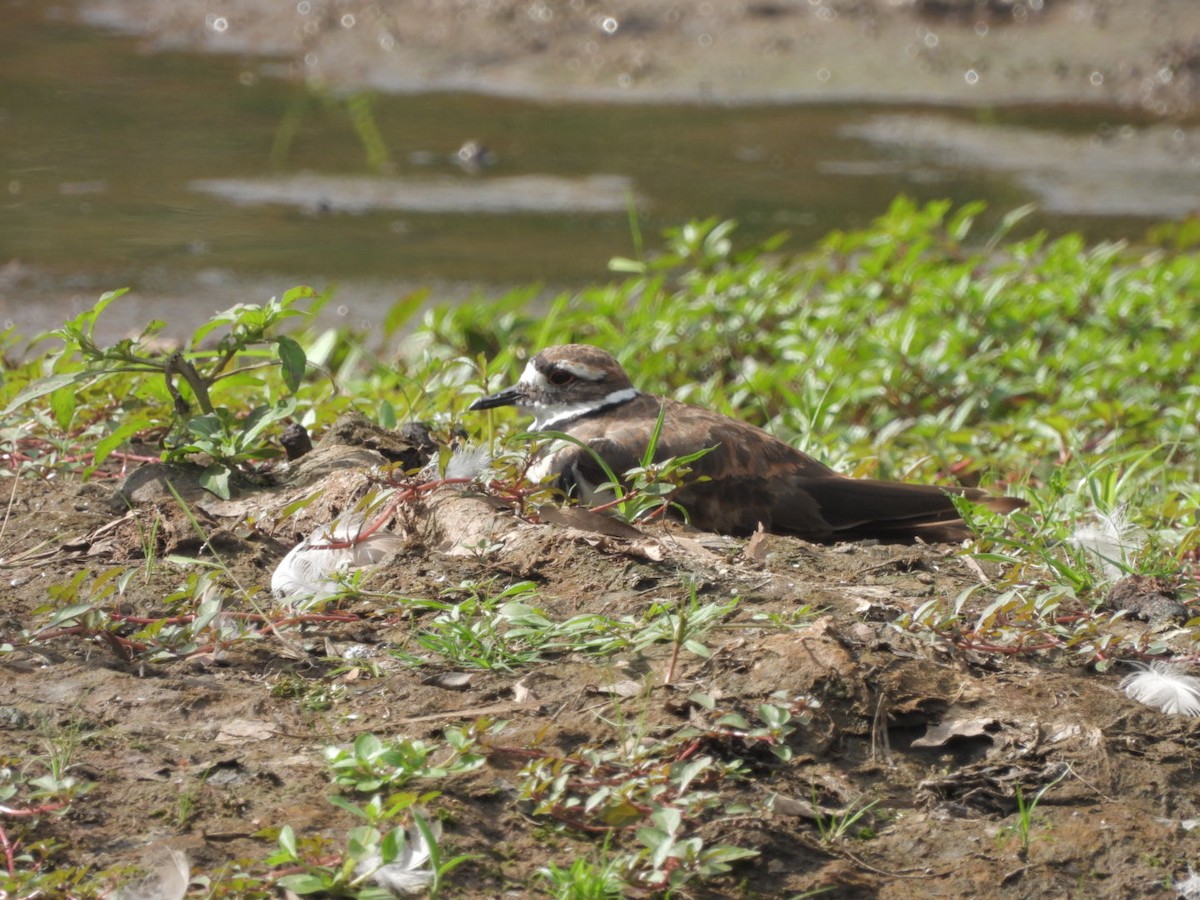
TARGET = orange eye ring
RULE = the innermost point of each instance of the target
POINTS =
(559, 377)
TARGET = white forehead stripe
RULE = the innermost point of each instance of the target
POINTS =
(557, 415)
(531, 376)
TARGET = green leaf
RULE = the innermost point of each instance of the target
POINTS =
(304, 884)
(733, 720)
(262, 417)
(44, 386)
(362, 840)
(343, 803)
(691, 770)
(387, 414)
(626, 265)
(300, 292)
(366, 747)
(216, 479)
(70, 614)
(62, 404)
(209, 610)
(207, 427)
(392, 844)
(668, 818)
(292, 361)
(403, 310)
(105, 299)
(129, 426)
(287, 841)
(725, 854)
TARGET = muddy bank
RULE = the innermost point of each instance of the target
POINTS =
(964, 53)
(196, 756)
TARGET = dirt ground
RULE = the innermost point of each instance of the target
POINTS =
(205, 754)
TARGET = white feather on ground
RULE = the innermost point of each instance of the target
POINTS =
(467, 461)
(408, 875)
(168, 878)
(1165, 687)
(309, 573)
(1111, 540)
(1189, 888)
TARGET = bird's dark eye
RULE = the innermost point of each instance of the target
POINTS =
(560, 377)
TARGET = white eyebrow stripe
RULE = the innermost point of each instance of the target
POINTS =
(575, 410)
(582, 370)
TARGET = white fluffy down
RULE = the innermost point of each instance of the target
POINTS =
(309, 572)
(1111, 540)
(411, 873)
(1164, 686)
(1188, 888)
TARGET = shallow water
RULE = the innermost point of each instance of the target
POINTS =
(110, 156)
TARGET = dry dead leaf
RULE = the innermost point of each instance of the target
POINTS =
(245, 730)
(450, 681)
(956, 727)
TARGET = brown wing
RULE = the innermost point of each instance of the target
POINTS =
(744, 467)
(756, 478)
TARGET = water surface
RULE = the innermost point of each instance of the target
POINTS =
(110, 156)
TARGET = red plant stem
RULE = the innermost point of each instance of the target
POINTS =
(604, 507)
(82, 457)
(149, 620)
(250, 617)
(10, 848)
(124, 644)
(313, 617)
(33, 810)
(409, 493)
(1011, 651)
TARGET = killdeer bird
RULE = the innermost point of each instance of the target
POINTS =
(753, 477)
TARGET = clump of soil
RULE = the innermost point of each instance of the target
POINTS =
(207, 753)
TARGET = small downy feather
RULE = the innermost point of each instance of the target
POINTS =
(1111, 540)
(308, 574)
(1164, 686)
(470, 461)
(1188, 888)
(167, 879)
(409, 874)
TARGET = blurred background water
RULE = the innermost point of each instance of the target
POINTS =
(201, 181)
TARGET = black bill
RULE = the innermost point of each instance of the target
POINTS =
(509, 397)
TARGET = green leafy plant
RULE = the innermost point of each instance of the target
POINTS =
(776, 722)
(922, 347)
(185, 382)
(672, 859)
(381, 858)
(837, 826)
(1022, 827)
(372, 763)
(584, 879)
(683, 628)
(41, 787)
